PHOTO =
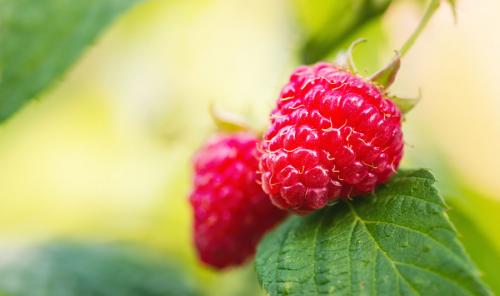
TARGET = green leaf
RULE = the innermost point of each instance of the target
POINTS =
(40, 39)
(76, 269)
(328, 24)
(398, 241)
(474, 213)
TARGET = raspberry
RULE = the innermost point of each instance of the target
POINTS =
(332, 135)
(231, 212)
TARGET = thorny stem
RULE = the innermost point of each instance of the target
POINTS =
(429, 12)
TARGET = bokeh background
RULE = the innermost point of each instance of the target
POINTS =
(104, 154)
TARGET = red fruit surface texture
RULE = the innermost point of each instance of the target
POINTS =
(332, 135)
(231, 212)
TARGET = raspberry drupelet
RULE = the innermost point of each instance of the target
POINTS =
(332, 135)
(231, 212)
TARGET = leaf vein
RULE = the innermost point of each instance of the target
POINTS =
(315, 255)
(280, 253)
(418, 232)
(391, 261)
(420, 199)
(447, 279)
(354, 224)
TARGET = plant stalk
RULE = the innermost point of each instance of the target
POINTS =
(429, 12)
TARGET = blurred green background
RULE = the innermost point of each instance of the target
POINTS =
(104, 154)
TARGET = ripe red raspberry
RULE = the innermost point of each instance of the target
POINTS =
(231, 212)
(332, 135)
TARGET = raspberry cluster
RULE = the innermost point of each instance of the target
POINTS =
(231, 212)
(332, 135)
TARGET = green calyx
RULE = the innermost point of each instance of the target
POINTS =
(383, 78)
(386, 76)
(226, 121)
(406, 104)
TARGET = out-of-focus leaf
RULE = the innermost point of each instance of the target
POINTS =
(74, 269)
(479, 246)
(484, 210)
(453, 4)
(40, 39)
(474, 214)
(328, 24)
(398, 241)
(477, 219)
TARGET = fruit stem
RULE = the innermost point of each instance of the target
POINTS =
(429, 12)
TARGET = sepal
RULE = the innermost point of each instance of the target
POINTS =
(226, 121)
(406, 104)
(386, 76)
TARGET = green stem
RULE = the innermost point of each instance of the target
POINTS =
(429, 12)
